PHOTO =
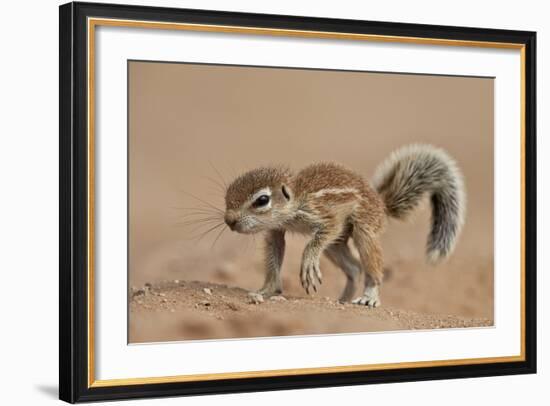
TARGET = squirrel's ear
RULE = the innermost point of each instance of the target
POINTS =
(285, 191)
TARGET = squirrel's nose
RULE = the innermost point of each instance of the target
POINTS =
(230, 220)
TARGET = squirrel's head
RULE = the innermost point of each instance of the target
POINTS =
(259, 200)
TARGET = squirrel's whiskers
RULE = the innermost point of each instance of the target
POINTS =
(206, 219)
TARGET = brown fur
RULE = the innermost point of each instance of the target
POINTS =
(327, 201)
(245, 185)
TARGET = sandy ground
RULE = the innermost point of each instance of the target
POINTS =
(459, 293)
(198, 310)
(195, 127)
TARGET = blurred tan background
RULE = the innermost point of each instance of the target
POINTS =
(188, 122)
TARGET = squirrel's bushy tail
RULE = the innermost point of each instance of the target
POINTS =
(414, 170)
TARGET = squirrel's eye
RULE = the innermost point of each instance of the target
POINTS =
(261, 201)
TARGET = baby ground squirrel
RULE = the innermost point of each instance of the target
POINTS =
(332, 204)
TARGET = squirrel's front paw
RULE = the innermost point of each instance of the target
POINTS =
(310, 274)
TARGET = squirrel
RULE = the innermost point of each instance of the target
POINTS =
(332, 204)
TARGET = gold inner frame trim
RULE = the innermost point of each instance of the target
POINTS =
(94, 22)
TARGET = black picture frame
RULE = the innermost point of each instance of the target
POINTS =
(73, 284)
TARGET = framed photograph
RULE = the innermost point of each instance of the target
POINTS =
(256, 202)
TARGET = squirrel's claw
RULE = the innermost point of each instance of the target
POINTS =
(310, 274)
(370, 298)
(318, 274)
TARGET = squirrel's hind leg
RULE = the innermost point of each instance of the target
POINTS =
(370, 253)
(340, 255)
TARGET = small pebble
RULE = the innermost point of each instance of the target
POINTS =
(278, 298)
(139, 292)
(207, 291)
